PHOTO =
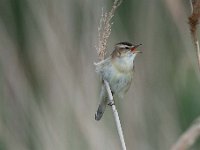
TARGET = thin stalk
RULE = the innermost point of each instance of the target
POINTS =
(198, 52)
(188, 138)
(193, 22)
(116, 116)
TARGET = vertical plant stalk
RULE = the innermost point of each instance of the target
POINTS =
(104, 31)
(198, 52)
(193, 22)
(116, 116)
(188, 138)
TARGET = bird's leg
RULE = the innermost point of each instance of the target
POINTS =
(112, 102)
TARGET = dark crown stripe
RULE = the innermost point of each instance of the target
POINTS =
(125, 43)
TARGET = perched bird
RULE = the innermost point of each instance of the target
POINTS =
(117, 70)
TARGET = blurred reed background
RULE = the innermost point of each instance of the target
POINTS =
(48, 85)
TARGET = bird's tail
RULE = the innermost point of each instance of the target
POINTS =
(102, 105)
(100, 110)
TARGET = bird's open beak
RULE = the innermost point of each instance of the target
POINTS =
(137, 52)
(133, 49)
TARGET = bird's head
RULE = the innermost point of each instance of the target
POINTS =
(125, 49)
(124, 54)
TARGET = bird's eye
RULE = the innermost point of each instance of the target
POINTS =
(126, 47)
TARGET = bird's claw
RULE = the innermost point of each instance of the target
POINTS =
(111, 103)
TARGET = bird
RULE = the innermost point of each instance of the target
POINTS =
(118, 71)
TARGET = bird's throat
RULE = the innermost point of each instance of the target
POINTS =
(124, 64)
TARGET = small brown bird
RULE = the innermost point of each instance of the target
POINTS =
(118, 71)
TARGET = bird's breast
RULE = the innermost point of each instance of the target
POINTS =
(120, 82)
(119, 77)
(124, 65)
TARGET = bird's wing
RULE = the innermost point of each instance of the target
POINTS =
(101, 65)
